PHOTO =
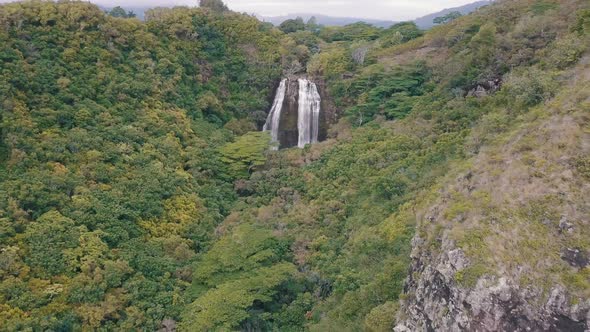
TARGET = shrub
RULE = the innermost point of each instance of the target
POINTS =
(469, 276)
(565, 52)
(529, 87)
(400, 33)
(382, 318)
(583, 23)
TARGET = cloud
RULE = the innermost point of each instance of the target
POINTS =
(380, 9)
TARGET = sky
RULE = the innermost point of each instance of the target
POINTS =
(394, 10)
(379, 9)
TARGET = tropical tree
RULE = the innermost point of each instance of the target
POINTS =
(246, 153)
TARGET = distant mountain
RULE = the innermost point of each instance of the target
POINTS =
(276, 20)
(326, 20)
(426, 22)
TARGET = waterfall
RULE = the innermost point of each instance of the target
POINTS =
(296, 109)
(274, 116)
(308, 113)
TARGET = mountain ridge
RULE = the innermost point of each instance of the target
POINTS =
(423, 22)
(427, 21)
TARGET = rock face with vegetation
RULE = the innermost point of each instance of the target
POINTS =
(288, 134)
(451, 191)
(507, 251)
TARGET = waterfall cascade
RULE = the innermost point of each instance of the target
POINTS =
(308, 120)
(274, 116)
(294, 118)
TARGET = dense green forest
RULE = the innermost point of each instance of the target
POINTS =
(137, 192)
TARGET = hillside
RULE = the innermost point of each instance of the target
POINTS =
(137, 191)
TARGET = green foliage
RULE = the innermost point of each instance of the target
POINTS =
(400, 33)
(382, 318)
(135, 194)
(118, 11)
(351, 32)
(529, 87)
(236, 255)
(112, 176)
(246, 153)
(578, 280)
(330, 63)
(484, 41)
(459, 207)
(240, 127)
(225, 306)
(565, 52)
(292, 25)
(240, 269)
(312, 25)
(470, 275)
(47, 241)
(541, 6)
(392, 95)
(582, 25)
(295, 314)
(307, 39)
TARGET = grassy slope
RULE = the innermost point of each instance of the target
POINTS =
(504, 206)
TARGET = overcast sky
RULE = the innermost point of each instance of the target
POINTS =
(395, 10)
(381, 9)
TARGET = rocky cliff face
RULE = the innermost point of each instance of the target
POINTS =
(504, 244)
(437, 302)
(288, 133)
(329, 114)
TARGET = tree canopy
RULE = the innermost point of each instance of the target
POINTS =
(120, 12)
(137, 191)
(292, 25)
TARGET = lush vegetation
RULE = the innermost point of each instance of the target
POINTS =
(113, 176)
(135, 192)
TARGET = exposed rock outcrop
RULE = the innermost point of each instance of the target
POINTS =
(288, 133)
(576, 257)
(485, 88)
(329, 114)
(437, 302)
